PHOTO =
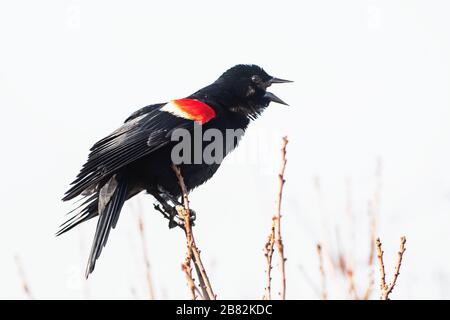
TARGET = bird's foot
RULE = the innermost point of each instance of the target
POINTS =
(167, 196)
(175, 215)
(180, 217)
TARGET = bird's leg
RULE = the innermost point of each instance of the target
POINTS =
(167, 196)
(173, 219)
(171, 212)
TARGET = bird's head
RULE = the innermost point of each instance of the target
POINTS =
(247, 86)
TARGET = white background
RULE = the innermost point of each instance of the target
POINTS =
(372, 82)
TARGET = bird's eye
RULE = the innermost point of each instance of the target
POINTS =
(256, 79)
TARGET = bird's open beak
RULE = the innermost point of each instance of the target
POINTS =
(276, 80)
(274, 98)
(270, 96)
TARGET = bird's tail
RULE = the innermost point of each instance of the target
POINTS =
(106, 203)
(89, 210)
(108, 217)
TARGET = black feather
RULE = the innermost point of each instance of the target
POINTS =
(107, 220)
(89, 211)
(125, 145)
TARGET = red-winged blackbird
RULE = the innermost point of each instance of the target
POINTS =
(137, 156)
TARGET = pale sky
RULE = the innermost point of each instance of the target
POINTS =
(372, 82)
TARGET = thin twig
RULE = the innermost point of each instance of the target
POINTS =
(148, 275)
(275, 234)
(386, 290)
(192, 251)
(397, 266)
(187, 269)
(381, 263)
(23, 278)
(322, 272)
(278, 240)
(268, 253)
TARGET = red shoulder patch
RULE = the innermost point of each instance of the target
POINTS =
(190, 109)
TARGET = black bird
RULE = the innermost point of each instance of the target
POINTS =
(137, 156)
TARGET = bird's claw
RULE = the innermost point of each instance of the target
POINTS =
(175, 215)
(178, 218)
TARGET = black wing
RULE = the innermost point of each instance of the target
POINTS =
(144, 110)
(144, 131)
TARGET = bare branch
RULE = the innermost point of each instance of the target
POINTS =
(268, 253)
(278, 240)
(192, 251)
(397, 266)
(381, 263)
(275, 234)
(186, 268)
(386, 290)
